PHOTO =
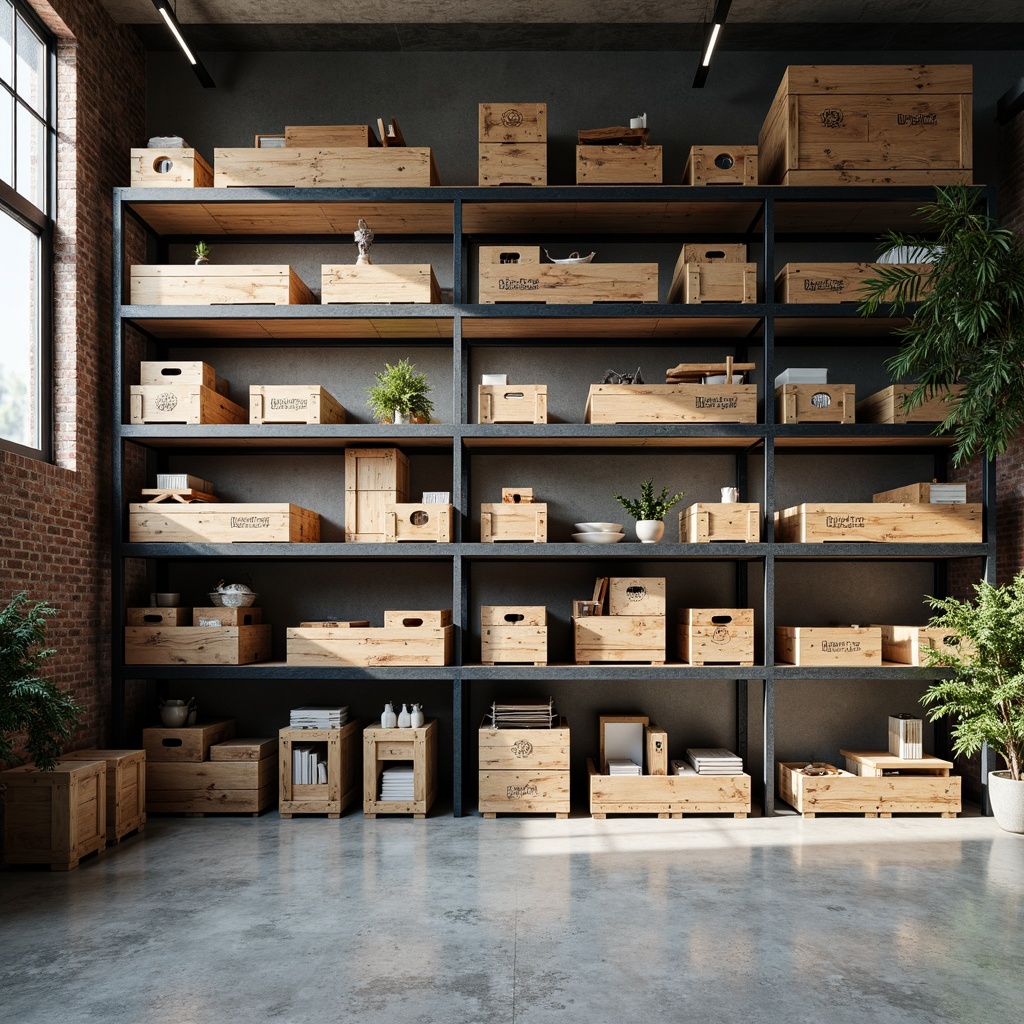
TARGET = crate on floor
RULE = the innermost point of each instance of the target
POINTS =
(667, 796)
(386, 748)
(198, 788)
(293, 403)
(125, 788)
(340, 748)
(513, 634)
(712, 522)
(716, 636)
(524, 771)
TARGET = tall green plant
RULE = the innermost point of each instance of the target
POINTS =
(969, 326)
(647, 506)
(985, 693)
(29, 704)
(399, 388)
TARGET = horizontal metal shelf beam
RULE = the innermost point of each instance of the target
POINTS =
(272, 671)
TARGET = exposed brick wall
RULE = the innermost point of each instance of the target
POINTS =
(55, 524)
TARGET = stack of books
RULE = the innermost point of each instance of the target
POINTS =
(309, 765)
(714, 761)
(905, 737)
(396, 783)
(623, 766)
(523, 714)
(183, 482)
(683, 768)
(947, 494)
(318, 718)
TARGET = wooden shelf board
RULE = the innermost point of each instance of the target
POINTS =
(295, 328)
(866, 440)
(537, 439)
(843, 323)
(608, 327)
(860, 216)
(244, 435)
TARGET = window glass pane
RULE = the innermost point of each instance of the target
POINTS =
(19, 340)
(31, 169)
(6, 136)
(31, 55)
(6, 41)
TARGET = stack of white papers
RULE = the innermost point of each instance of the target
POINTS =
(396, 783)
(523, 714)
(318, 718)
(947, 494)
(714, 761)
(803, 375)
(682, 768)
(622, 766)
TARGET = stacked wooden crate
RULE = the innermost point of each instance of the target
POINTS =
(633, 629)
(524, 771)
(415, 747)
(713, 272)
(182, 392)
(375, 479)
(517, 517)
(408, 638)
(617, 156)
(216, 636)
(513, 140)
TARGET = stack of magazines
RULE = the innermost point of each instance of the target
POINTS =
(714, 761)
(623, 766)
(396, 783)
(523, 714)
(318, 718)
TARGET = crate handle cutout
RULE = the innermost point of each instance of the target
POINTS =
(821, 400)
(170, 371)
(721, 620)
(509, 257)
(171, 741)
(419, 518)
(152, 618)
(724, 161)
(636, 592)
(514, 617)
(163, 165)
(714, 254)
(412, 622)
(514, 394)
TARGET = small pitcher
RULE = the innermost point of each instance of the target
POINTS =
(416, 716)
(388, 718)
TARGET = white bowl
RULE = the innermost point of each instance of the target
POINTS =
(599, 527)
(231, 599)
(573, 258)
(598, 537)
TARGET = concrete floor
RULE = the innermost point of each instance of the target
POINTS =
(524, 920)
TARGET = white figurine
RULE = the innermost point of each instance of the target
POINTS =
(388, 719)
(363, 236)
(416, 716)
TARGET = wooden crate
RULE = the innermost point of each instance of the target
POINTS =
(330, 136)
(222, 523)
(869, 125)
(710, 522)
(668, 796)
(245, 748)
(671, 403)
(874, 797)
(196, 645)
(512, 163)
(188, 743)
(828, 283)
(406, 618)
(408, 521)
(57, 817)
(716, 636)
(616, 638)
(887, 406)
(227, 616)
(335, 167)
(500, 521)
(511, 634)
(212, 285)
(191, 371)
(903, 644)
(878, 522)
(342, 786)
(721, 165)
(815, 403)
(618, 165)
(125, 788)
(636, 595)
(916, 494)
(524, 792)
(212, 787)
(513, 122)
(383, 746)
(293, 403)
(181, 403)
(170, 168)
(695, 283)
(370, 646)
(512, 403)
(828, 645)
(524, 771)
(159, 616)
(374, 479)
(372, 282)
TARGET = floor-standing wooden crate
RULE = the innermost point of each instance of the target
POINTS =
(382, 747)
(374, 479)
(524, 771)
(126, 788)
(342, 786)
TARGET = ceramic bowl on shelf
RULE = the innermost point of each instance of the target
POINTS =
(168, 600)
(598, 527)
(574, 257)
(231, 598)
(598, 537)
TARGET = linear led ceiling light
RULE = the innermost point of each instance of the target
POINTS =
(172, 23)
(711, 34)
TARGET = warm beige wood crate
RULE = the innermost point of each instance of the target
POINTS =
(852, 646)
(904, 644)
(330, 136)
(411, 618)
(501, 521)
(567, 283)
(819, 283)
(721, 165)
(694, 283)
(869, 125)
(190, 371)
(187, 743)
(512, 163)
(879, 522)
(293, 403)
(512, 403)
(375, 478)
(383, 746)
(524, 792)
(159, 617)
(911, 494)
(125, 788)
(887, 406)
(618, 165)
(227, 616)
(212, 285)
(815, 403)
(325, 167)
(222, 523)
(511, 634)
(671, 403)
(616, 638)
(513, 122)
(245, 748)
(181, 403)
(370, 646)
(373, 282)
(57, 817)
(710, 522)
(196, 645)
(716, 636)
(531, 750)
(421, 523)
(170, 168)
(212, 787)
(636, 595)
(343, 747)
(668, 796)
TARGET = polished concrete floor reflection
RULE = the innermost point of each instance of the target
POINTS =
(524, 920)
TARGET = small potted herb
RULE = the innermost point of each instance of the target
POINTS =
(202, 253)
(400, 394)
(649, 511)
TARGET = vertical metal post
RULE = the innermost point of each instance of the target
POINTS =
(768, 529)
(117, 596)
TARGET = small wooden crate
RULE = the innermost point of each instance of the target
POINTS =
(511, 634)
(420, 523)
(372, 282)
(852, 646)
(337, 167)
(500, 521)
(368, 646)
(178, 372)
(222, 523)
(513, 122)
(382, 746)
(159, 617)
(618, 165)
(413, 618)
(618, 638)
(671, 403)
(709, 522)
(716, 636)
(198, 788)
(212, 285)
(182, 403)
(330, 136)
(903, 644)
(125, 790)
(57, 817)
(342, 786)
(879, 522)
(524, 771)
(211, 617)
(512, 403)
(721, 165)
(196, 645)
(887, 406)
(820, 283)
(293, 403)
(714, 282)
(512, 163)
(636, 595)
(815, 403)
(668, 796)
(170, 168)
(187, 743)
(245, 748)
(374, 479)
(568, 283)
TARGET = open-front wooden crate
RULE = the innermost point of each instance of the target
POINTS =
(668, 796)
(342, 747)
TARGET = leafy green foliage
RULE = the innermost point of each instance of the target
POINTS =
(28, 704)
(647, 506)
(969, 326)
(985, 692)
(202, 251)
(399, 388)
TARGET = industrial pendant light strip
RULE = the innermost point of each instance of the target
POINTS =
(172, 23)
(711, 41)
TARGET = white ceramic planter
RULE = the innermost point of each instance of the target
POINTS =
(1007, 798)
(402, 417)
(649, 531)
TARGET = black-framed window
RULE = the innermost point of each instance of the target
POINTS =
(27, 198)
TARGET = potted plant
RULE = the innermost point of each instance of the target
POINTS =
(969, 326)
(30, 705)
(984, 693)
(649, 511)
(202, 253)
(400, 394)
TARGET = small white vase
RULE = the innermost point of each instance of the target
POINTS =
(404, 718)
(1006, 796)
(416, 716)
(401, 417)
(649, 531)
(388, 718)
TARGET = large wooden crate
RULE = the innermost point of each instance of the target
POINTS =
(181, 403)
(293, 403)
(222, 523)
(721, 165)
(668, 796)
(903, 644)
(671, 403)
(375, 478)
(887, 406)
(501, 521)
(919, 493)
(368, 646)
(636, 595)
(187, 743)
(373, 282)
(212, 285)
(879, 522)
(420, 523)
(869, 125)
(512, 403)
(196, 645)
(819, 283)
(338, 167)
(511, 634)
(512, 163)
(618, 165)
(568, 283)
(125, 789)
(57, 817)
(170, 168)
(342, 749)
(852, 646)
(513, 122)
(524, 771)
(711, 522)
(382, 747)
(178, 372)
(815, 403)
(212, 787)
(716, 636)
(618, 638)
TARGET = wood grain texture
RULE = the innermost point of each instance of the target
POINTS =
(325, 167)
(879, 522)
(196, 645)
(671, 403)
(222, 523)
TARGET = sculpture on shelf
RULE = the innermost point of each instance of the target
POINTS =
(363, 236)
(611, 377)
